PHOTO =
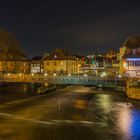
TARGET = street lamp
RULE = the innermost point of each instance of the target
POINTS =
(8, 74)
(45, 74)
(78, 73)
(104, 75)
(32, 74)
(119, 76)
(20, 74)
(85, 75)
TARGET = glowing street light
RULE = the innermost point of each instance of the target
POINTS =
(103, 74)
(32, 74)
(85, 75)
(119, 76)
(45, 74)
(8, 74)
(54, 74)
(20, 74)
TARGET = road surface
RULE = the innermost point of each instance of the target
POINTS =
(71, 113)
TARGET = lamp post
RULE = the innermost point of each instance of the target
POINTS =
(78, 73)
(96, 77)
(85, 75)
(104, 76)
(115, 77)
(45, 75)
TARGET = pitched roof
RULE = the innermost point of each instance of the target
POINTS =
(132, 42)
(60, 54)
(36, 58)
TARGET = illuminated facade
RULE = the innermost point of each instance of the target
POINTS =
(14, 66)
(130, 56)
(12, 59)
(132, 67)
(60, 62)
(37, 65)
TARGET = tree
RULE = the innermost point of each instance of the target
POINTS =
(9, 46)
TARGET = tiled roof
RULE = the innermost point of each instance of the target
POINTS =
(132, 42)
(60, 54)
(36, 58)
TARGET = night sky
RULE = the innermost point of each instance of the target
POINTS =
(79, 27)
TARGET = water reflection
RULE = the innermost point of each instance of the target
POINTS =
(124, 120)
(105, 102)
(135, 124)
(120, 114)
(12, 91)
(80, 104)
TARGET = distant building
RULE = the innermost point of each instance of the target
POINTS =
(130, 57)
(37, 65)
(12, 59)
(60, 62)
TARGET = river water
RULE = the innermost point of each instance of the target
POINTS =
(13, 91)
(118, 116)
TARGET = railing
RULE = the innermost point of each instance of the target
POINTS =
(62, 79)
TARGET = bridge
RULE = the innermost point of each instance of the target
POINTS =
(105, 81)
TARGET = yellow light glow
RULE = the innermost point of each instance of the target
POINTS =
(85, 75)
(45, 74)
(120, 76)
(62, 63)
(32, 74)
(124, 64)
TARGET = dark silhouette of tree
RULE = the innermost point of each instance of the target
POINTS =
(10, 47)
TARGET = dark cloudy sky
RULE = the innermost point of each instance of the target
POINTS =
(79, 27)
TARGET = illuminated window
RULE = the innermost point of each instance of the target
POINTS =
(62, 63)
(137, 63)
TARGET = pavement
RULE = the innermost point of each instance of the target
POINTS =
(71, 113)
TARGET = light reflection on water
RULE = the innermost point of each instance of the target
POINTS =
(135, 124)
(124, 120)
(129, 121)
(124, 115)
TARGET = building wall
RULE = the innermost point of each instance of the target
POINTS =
(60, 66)
(14, 67)
(36, 67)
(133, 68)
(122, 52)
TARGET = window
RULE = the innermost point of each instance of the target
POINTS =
(137, 63)
(48, 63)
(54, 63)
(54, 70)
(62, 63)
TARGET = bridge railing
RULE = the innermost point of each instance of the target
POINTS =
(60, 79)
